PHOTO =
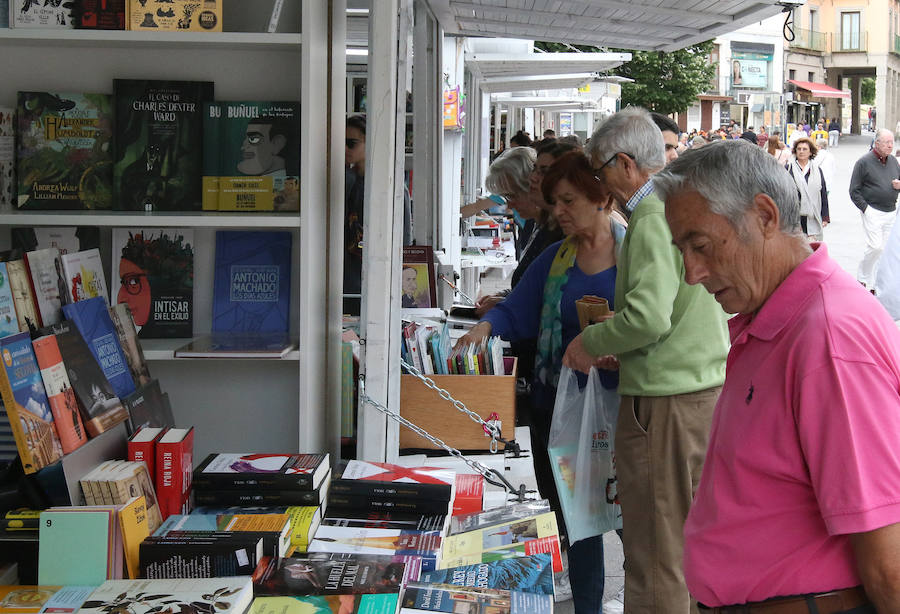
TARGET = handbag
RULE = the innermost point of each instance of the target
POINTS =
(582, 457)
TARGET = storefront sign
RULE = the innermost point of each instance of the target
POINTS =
(750, 70)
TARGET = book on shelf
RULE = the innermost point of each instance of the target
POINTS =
(464, 523)
(419, 598)
(25, 599)
(100, 408)
(174, 470)
(258, 148)
(89, 535)
(147, 406)
(142, 446)
(44, 273)
(100, 14)
(358, 540)
(252, 282)
(8, 187)
(120, 481)
(67, 239)
(26, 404)
(323, 575)
(212, 596)
(176, 15)
(237, 345)
(20, 286)
(91, 318)
(83, 275)
(9, 321)
(60, 395)
(120, 314)
(213, 555)
(153, 272)
(278, 471)
(386, 520)
(417, 277)
(21, 519)
(262, 496)
(63, 150)
(529, 574)
(67, 600)
(34, 14)
(321, 604)
(135, 529)
(159, 143)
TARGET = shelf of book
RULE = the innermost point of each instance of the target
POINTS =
(164, 349)
(132, 39)
(207, 219)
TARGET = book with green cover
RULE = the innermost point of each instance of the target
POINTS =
(83, 535)
(326, 604)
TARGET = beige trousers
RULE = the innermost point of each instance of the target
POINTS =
(660, 448)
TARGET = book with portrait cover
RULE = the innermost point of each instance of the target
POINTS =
(322, 575)
(64, 150)
(252, 282)
(261, 471)
(159, 144)
(63, 404)
(25, 400)
(153, 272)
(36, 14)
(259, 155)
(417, 277)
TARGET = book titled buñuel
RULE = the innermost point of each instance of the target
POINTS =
(252, 282)
(64, 150)
(63, 404)
(159, 144)
(174, 462)
(239, 471)
(26, 404)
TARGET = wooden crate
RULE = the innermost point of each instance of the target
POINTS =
(482, 394)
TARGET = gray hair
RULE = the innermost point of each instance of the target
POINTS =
(728, 175)
(881, 132)
(822, 143)
(630, 131)
(509, 173)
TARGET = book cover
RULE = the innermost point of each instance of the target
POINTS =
(82, 534)
(91, 318)
(159, 143)
(67, 600)
(212, 556)
(338, 503)
(8, 187)
(20, 286)
(120, 314)
(134, 527)
(325, 604)
(284, 471)
(130, 479)
(174, 470)
(387, 481)
(259, 156)
(529, 574)
(153, 273)
(100, 408)
(326, 576)
(237, 345)
(67, 239)
(175, 15)
(273, 528)
(64, 150)
(252, 282)
(26, 599)
(469, 496)
(44, 267)
(386, 520)
(100, 14)
(83, 275)
(417, 277)
(264, 496)
(445, 598)
(61, 397)
(305, 520)
(142, 446)
(212, 112)
(508, 513)
(147, 406)
(273, 543)
(26, 404)
(9, 322)
(355, 540)
(21, 519)
(35, 14)
(188, 596)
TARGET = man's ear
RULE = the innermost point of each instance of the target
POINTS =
(768, 217)
(279, 141)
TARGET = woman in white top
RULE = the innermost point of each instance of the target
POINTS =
(811, 188)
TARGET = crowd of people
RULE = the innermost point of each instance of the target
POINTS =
(759, 384)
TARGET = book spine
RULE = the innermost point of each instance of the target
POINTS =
(271, 539)
(236, 497)
(241, 481)
(391, 490)
(143, 451)
(173, 475)
(196, 558)
(338, 502)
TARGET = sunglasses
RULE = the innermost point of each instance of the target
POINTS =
(351, 143)
(598, 170)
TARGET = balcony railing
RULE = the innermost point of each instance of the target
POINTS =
(808, 39)
(896, 48)
(849, 42)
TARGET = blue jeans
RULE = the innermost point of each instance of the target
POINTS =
(587, 575)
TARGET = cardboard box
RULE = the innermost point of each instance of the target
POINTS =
(482, 394)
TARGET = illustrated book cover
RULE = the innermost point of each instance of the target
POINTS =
(26, 404)
(153, 273)
(417, 277)
(83, 275)
(120, 314)
(25, 599)
(175, 15)
(63, 404)
(313, 575)
(45, 274)
(386, 520)
(36, 14)
(387, 480)
(67, 600)
(159, 143)
(23, 298)
(64, 150)
(252, 282)
(100, 14)
(326, 604)
(239, 471)
(8, 187)
(9, 322)
(187, 596)
(529, 574)
(418, 598)
(509, 513)
(355, 540)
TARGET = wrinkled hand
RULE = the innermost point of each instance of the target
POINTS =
(475, 335)
(576, 357)
(608, 362)
(486, 303)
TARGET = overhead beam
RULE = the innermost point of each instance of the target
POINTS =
(638, 7)
(756, 12)
(532, 31)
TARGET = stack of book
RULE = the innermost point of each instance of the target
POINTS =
(169, 456)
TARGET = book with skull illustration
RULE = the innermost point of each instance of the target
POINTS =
(175, 15)
(159, 144)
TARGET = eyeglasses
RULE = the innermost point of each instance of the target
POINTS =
(132, 283)
(597, 171)
(351, 143)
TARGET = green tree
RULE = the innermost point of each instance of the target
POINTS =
(867, 91)
(666, 82)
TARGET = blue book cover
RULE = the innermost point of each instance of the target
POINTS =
(528, 574)
(9, 324)
(252, 282)
(91, 317)
(188, 522)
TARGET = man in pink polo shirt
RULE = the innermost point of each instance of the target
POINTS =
(798, 507)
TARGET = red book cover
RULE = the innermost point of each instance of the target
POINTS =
(174, 468)
(469, 493)
(142, 446)
(60, 395)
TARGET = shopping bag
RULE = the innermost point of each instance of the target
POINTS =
(582, 457)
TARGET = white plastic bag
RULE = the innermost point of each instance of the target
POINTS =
(582, 456)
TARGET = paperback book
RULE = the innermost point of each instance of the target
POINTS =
(27, 599)
(189, 596)
(147, 407)
(20, 286)
(324, 604)
(278, 471)
(418, 598)
(45, 274)
(237, 345)
(9, 323)
(386, 520)
(355, 540)
(60, 396)
(529, 574)
(153, 273)
(83, 275)
(100, 14)
(323, 575)
(8, 187)
(34, 14)
(88, 534)
(386, 480)
(417, 277)
(210, 556)
(175, 15)
(63, 150)
(67, 600)
(120, 314)
(262, 496)
(498, 515)
(135, 529)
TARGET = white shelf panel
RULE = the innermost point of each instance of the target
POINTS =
(132, 39)
(210, 219)
(164, 349)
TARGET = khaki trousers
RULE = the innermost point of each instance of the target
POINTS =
(660, 448)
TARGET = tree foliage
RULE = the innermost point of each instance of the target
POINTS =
(666, 82)
(867, 91)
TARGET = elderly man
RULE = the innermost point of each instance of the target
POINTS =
(670, 340)
(873, 189)
(798, 509)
